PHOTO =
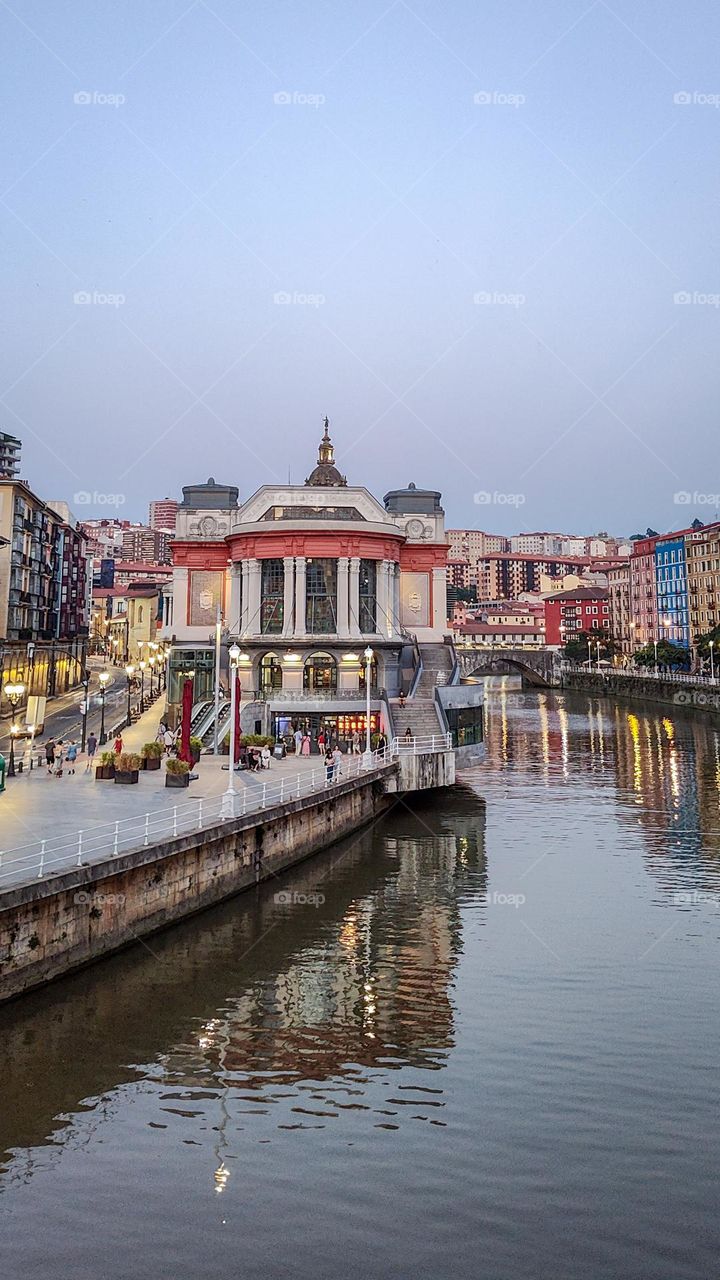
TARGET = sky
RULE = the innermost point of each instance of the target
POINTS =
(482, 238)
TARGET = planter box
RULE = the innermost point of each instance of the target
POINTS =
(177, 779)
(126, 779)
(194, 757)
(151, 762)
(105, 772)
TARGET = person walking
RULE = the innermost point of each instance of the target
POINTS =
(118, 745)
(59, 758)
(337, 763)
(91, 749)
(382, 746)
(305, 748)
(298, 736)
(356, 743)
(329, 766)
(50, 756)
(71, 757)
(168, 740)
(321, 741)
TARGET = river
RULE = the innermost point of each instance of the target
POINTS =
(477, 1040)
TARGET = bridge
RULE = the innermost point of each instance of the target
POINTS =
(536, 666)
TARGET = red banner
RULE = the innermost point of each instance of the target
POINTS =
(187, 706)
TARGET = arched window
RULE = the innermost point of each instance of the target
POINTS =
(270, 673)
(271, 600)
(373, 674)
(140, 613)
(320, 672)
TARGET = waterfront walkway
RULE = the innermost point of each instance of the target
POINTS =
(49, 823)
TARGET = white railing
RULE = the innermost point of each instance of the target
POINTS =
(106, 840)
(422, 745)
(642, 673)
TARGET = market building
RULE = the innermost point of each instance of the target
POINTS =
(305, 578)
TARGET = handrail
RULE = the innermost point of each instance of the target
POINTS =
(127, 834)
(426, 744)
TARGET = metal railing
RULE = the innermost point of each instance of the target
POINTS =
(423, 745)
(106, 840)
(642, 673)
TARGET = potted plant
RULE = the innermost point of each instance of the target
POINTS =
(152, 755)
(106, 768)
(127, 768)
(177, 773)
(196, 747)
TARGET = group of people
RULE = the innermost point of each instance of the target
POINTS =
(327, 743)
(258, 758)
(60, 755)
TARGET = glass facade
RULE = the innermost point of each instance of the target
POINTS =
(202, 662)
(270, 673)
(312, 513)
(368, 597)
(271, 597)
(320, 672)
(321, 597)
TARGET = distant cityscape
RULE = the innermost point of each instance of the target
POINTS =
(71, 586)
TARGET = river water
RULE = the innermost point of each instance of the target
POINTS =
(477, 1040)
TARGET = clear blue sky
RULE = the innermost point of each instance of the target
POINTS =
(385, 193)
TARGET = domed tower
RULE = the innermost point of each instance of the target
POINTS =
(326, 474)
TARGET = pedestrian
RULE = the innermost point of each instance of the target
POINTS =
(59, 757)
(298, 740)
(50, 755)
(169, 740)
(118, 745)
(305, 749)
(71, 756)
(408, 734)
(265, 757)
(321, 741)
(329, 766)
(91, 749)
(381, 746)
(402, 699)
(337, 763)
(356, 743)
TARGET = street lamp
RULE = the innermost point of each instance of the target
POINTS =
(152, 675)
(13, 692)
(227, 809)
(103, 678)
(367, 756)
(129, 672)
(597, 643)
(711, 644)
(656, 661)
(142, 685)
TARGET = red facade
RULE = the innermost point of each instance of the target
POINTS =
(570, 612)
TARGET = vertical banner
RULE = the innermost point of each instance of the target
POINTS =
(238, 694)
(187, 706)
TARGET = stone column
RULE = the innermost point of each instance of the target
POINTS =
(395, 596)
(354, 596)
(180, 597)
(233, 621)
(300, 573)
(343, 603)
(254, 571)
(288, 594)
(245, 595)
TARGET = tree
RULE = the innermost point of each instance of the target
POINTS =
(668, 655)
(703, 643)
(583, 645)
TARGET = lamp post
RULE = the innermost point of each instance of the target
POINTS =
(142, 666)
(367, 756)
(103, 678)
(711, 644)
(129, 672)
(655, 643)
(153, 660)
(13, 693)
(227, 809)
(597, 643)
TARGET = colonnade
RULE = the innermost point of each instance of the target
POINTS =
(246, 597)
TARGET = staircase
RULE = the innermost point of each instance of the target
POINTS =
(420, 712)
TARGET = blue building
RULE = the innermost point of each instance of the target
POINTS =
(671, 579)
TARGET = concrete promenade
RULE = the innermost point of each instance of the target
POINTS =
(36, 806)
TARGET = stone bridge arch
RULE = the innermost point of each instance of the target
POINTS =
(541, 668)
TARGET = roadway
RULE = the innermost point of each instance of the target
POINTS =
(64, 717)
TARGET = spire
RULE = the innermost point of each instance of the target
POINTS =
(326, 473)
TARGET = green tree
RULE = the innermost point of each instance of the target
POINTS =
(703, 643)
(583, 645)
(668, 655)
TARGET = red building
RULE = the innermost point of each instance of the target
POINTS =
(568, 613)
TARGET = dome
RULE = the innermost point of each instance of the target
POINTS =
(326, 474)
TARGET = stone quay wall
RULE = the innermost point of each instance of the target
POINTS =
(673, 693)
(55, 925)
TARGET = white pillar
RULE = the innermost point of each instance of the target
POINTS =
(300, 573)
(395, 598)
(288, 594)
(180, 592)
(343, 616)
(382, 611)
(233, 621)
(245, 571)
(354, 596)
(254, 597)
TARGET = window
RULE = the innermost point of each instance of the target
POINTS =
(321, 597)
(270, 673)
(320, 672)
(272, 592)
(368, 597)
